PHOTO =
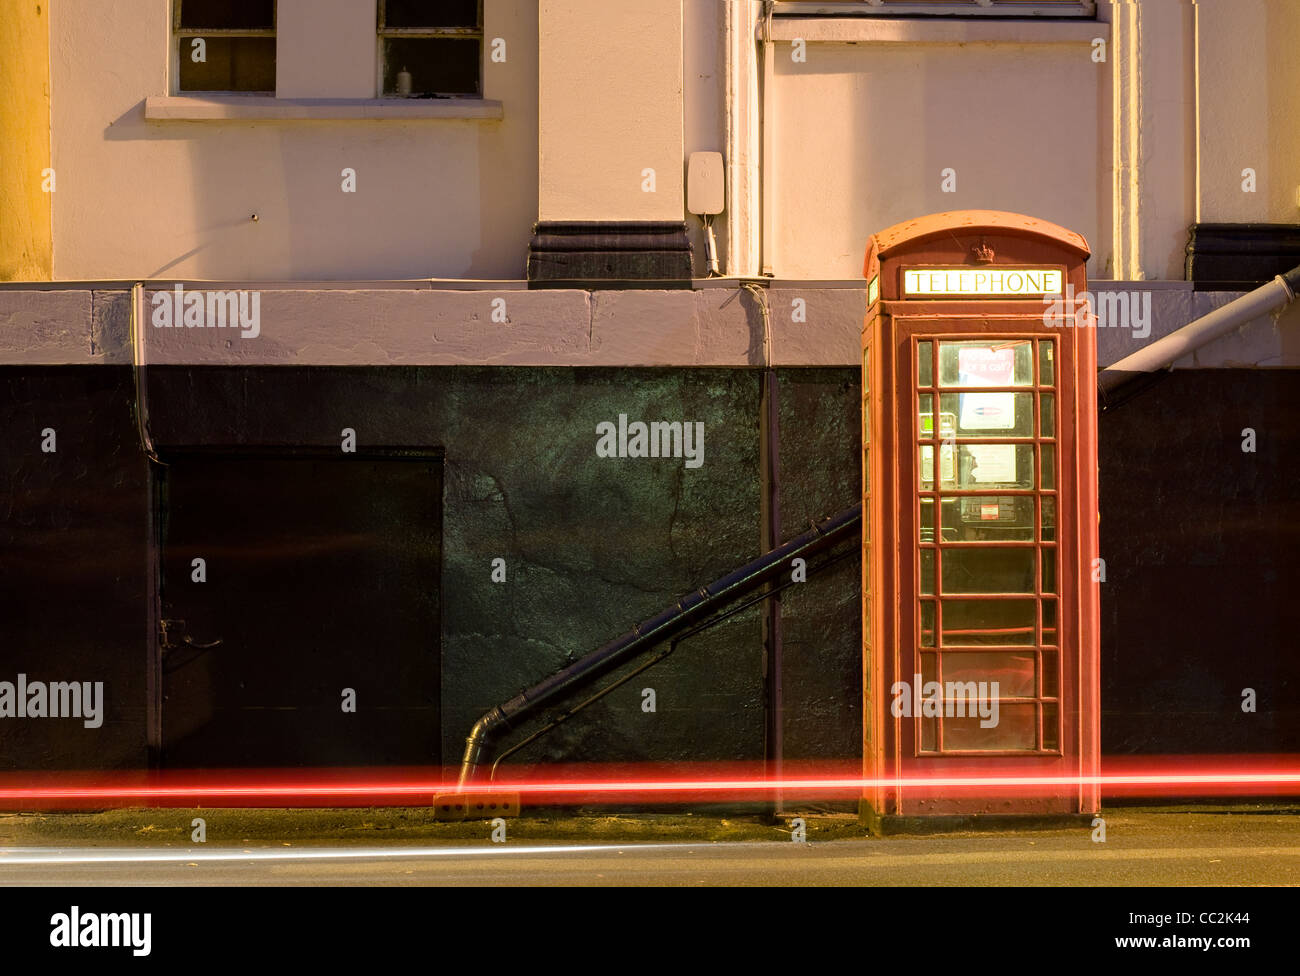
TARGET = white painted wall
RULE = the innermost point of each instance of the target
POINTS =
(1249, 72)
(864, 132)
(861, 133)
(611, 109)
(436, 198)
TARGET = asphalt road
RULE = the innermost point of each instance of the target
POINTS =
(1214, 851)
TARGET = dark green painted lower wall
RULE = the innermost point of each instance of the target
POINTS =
(1201, 547)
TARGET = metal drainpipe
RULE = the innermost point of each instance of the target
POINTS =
(683, 613)
(1164, 352)
(153, 544)
(769, 461)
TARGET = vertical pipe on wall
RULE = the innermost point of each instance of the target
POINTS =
(742, 146)
(1126, 53)
(769, 460)
(153, 543)
(768, 233)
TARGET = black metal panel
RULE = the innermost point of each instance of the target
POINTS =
(566, 251)
(1240, 257)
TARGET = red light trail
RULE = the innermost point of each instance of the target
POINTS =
(1180, 776)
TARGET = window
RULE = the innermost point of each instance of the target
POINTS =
(430, 48)
(903, 8)
(986, 543)
(225, 46)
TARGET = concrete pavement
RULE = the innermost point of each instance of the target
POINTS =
(1231, 846)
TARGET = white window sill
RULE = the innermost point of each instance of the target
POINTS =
(267, 108)
(955, 30)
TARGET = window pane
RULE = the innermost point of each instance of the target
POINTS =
(227, 14)
(1049, 518)
(1049, 569)
(1051, 726)
(986, 363)
(925, 364)
(1048, 415)
(1049, 621)
(1014, 673)
(866, 395)
(980, 623)
(996, 465)
(1049, 466)
(234, 64)
(438, 66)
(1046, 362)
(927, 571)
(991, 570)
(978, 518)
(1016, 728)
(925, 415)
(927, 623)
(1051, 683)
(927, 519)
(990, 414)
(430, 13)
(929, 736)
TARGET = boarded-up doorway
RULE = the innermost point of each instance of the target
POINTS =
(313, 638)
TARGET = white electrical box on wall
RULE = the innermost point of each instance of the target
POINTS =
(705, 192)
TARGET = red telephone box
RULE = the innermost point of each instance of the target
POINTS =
(979, 431)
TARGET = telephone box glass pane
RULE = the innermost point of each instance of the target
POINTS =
(998, 362)
(977, 518)
(989, 414)
(1016, 728)
(996, 465)
(927, 571)
(927, 519)
(1049, 518)
(1049, 466)
(1049, 569)
(1014, 673)
(925, 419)
(1049, 621)
(866, 395)
(866, 489)
(927, 623)
(1048, 411)
(1051, 687)
(929, 734)
(983, 623)
(1051, 726)
(988, 570)
(1046, 362)
(924, 364)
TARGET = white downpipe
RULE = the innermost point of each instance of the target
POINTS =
(742, 139)
(1279, 292)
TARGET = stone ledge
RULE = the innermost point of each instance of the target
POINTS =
(956, 30)
(266, 108)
